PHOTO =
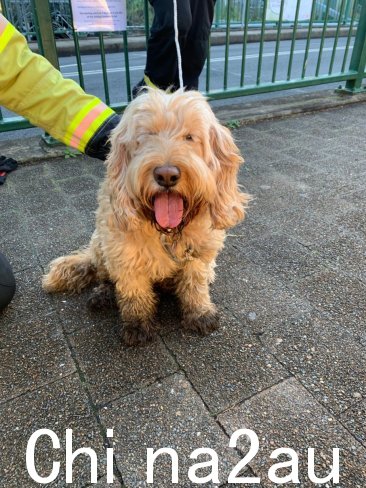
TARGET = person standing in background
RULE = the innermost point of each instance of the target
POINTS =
(194, 26)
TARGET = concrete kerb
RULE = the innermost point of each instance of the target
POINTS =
(66, 47)
(33, 150)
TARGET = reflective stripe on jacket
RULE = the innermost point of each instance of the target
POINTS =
(30, 86)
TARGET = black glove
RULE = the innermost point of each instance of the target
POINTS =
(6, 166)
(7, 282)
(99, 145)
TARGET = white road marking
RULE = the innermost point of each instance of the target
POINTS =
(213, 60)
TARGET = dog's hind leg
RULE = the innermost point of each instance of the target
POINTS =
(70, 273)
(102, 297)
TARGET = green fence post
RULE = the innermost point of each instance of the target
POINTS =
(358, 58)
(46, 42)
(46, 39)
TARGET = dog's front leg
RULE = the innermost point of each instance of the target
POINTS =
(137, 303)
(192, 288)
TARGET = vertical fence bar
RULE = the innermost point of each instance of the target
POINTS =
(218, 13)
(336, 37)
(104, 68)
(36, 28)
(127, 65)
(77, 50)
(44, 23)
(358, 58)
(227, 43)
(146, 17)
(349, 36)
(306, 55)
(4, 8)
(293, 40)
(78, 58)
(278, 40)
(261, 45)
(347, 11)
(323, 38)
(46, 39)
(245, 39)
(208, 66)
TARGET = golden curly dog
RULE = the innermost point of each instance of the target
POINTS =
(169, 194)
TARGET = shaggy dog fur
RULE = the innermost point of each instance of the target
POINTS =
(168, 196)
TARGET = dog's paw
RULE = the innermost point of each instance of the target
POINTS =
(203, 325)
(134, 334)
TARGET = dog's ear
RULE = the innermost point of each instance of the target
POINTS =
(228, 206)
(117, 161)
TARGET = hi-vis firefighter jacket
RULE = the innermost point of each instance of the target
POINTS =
(30, 86)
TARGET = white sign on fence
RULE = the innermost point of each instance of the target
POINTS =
(99, 15)
(289, 10)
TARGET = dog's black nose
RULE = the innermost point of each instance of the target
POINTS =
(167, 175)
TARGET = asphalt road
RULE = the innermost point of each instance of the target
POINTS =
(92, 70)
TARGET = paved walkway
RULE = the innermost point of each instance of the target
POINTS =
(289, 361)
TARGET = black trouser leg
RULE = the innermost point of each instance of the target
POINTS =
(7, 282)
(161, 61)
(194, 24)
(195, 50)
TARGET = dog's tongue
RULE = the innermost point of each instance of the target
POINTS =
(168, 208)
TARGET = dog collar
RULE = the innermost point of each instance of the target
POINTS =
(169, 248)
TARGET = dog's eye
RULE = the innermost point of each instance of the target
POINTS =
(188, 137)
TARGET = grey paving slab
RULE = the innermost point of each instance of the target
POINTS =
(167, 414)
(271, 196)
(95, 167)
(355, 221)
(335, 293)
(19, 250)
(283, 257)
(26, 177)
(29, 360)
(40, 200)
(357, 197)
(354, 419)
(58, 232)
(324, 356)
(345, 253)
(287, 416)
(296, 209)
(353, 150)
(343, 174)
(78, 184)
(12, 223)
(8, 194)
(85, 202)
(102, 483)
(110, 368)
(310, 229)
(227, 366)
(250, 228)
(33, 349)
(256, 298)
(57, 407)
(36, 191)
(31, 311)
(62, 168)
(75, 314)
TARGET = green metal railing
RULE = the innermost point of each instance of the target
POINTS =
(315, 53)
